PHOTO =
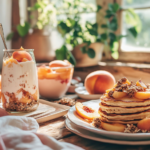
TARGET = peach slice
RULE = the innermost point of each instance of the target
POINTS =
(59, 63)
(118, 95)
(86, 112)
(144, 124)
(142, 95)
(20, 55)
(113, 127)
(141, 84)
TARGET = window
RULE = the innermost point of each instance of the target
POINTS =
(141, 43)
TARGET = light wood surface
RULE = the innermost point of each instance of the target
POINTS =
(56, 128)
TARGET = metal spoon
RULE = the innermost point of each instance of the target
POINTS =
(2, 35)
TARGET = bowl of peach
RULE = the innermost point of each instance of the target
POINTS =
(54, 79)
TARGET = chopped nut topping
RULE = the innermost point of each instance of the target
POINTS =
(130, 128)
(97, 122)
(67, 101)
(129, 89)
(110, 93)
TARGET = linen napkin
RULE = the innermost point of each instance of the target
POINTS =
(18, 133)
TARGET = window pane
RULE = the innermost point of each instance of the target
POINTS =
(136, 3)
(142, 42)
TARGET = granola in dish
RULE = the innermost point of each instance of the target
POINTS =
(67, 101)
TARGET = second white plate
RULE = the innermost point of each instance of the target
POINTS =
(82, 93)
(96, 137)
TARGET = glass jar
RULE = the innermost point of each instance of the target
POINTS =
(19, 81)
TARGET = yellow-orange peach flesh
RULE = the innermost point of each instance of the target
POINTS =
(86, 112)
(99, 81)
(144, 124)
(20, 55)
(59, 63)
(113, 127)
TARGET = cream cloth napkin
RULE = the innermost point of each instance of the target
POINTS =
(19, 133)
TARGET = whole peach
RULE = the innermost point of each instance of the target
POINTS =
(144, 124)
(98, 82)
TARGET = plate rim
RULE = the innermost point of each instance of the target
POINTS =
(107, 140)
(94, 129)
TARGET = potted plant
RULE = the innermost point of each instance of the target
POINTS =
(39, 37)
(86, 42)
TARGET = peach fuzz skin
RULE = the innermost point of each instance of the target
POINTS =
(59, 63)
(99, 81)
(20, 55)
(144, 124)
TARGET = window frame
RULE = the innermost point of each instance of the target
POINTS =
(132, 56)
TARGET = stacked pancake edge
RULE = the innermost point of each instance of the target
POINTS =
(125, 110)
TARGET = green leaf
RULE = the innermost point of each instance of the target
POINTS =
(91, 53)
(23, 29)
(112, 36)
(113, 7)
(104, 26)
(71, 58)
(113, 25)
(133, 19)
(104, 36)
(10, 36)
(115, 55)
(133, 31)
(99, 8)
(92, 31)
(61, 53)
(115, 46)
(114, 50)
(108, 15)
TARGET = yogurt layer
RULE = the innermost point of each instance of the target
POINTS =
(19, 76)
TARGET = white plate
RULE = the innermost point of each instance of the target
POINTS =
(82, 93)
(73, 117)
(97, 137)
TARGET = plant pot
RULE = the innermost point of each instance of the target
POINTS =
(83, 60)
(41, 43)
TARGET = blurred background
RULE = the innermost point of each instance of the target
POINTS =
(81, 31)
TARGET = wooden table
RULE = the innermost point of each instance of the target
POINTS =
(56, 128)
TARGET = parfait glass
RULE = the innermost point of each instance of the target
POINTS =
(19, 80)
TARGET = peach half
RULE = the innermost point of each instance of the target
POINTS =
(142, 95)
(86, 112)
(59, 63)
(113, 127)
(20, 55)
(144, 124)
(98, 82)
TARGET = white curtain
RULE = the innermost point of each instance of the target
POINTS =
(5, 19)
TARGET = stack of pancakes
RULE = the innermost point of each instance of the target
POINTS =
(125, 110)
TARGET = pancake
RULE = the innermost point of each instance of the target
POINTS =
(119, 110)
(125, 117)
(125, 102)
(120, 121)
